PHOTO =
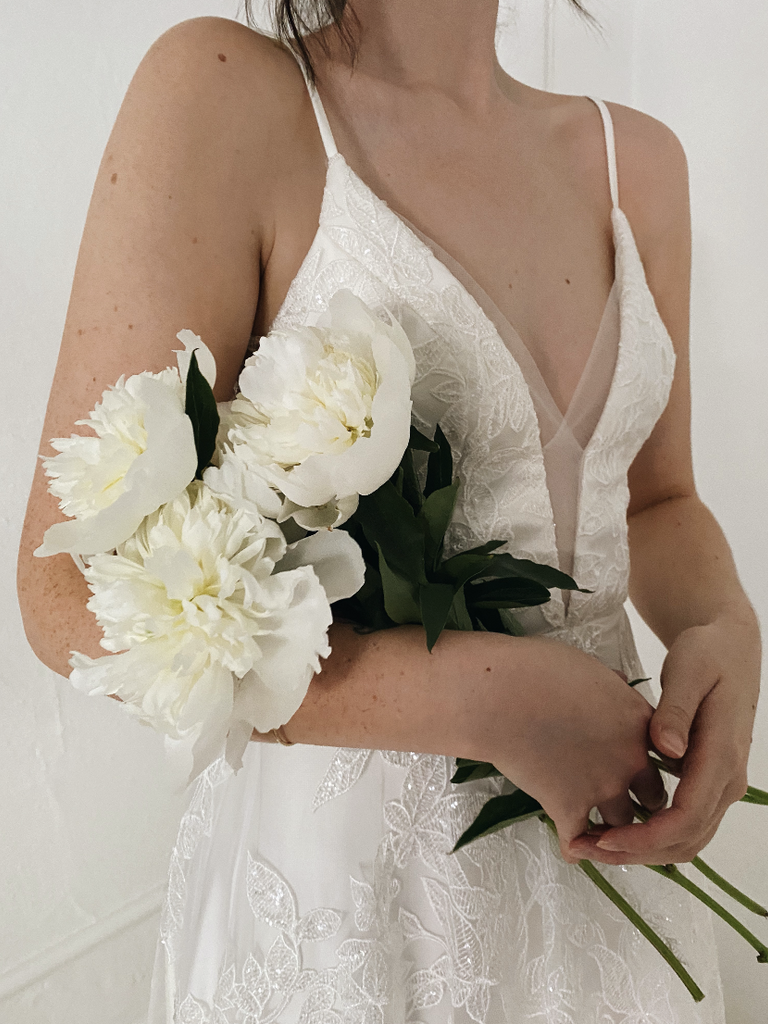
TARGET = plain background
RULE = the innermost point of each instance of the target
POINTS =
(89, 811)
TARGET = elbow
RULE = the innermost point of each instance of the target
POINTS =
(50, 601)
(37, 615)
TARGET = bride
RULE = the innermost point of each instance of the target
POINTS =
(537, 248)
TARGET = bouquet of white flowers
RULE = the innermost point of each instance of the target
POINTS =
(190, 523)
(215, 539)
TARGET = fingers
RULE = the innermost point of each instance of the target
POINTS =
(648, 787)
(685, 682)
(677, 833)
(618, 811)
(569, 826)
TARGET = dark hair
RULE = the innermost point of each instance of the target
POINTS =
(293, 19)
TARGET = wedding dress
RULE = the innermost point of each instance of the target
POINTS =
(316, 886)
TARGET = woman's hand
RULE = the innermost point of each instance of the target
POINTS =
(703, 725)
(574, 737)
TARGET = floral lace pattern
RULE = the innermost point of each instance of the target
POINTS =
(318, 887)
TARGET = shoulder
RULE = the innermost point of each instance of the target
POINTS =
(653, 176)
(651, 164)
(219, 107)
(219, 85)
(209, 59)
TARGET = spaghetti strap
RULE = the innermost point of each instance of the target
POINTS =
(322, 119)
(610, 148)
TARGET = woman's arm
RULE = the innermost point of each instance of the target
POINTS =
(175, 236)
(180, 234)
(683, 579)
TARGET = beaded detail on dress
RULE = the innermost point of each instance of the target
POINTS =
(317, 886)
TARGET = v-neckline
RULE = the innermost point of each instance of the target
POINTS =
(493, 312)
(493, 332)
(557, 612)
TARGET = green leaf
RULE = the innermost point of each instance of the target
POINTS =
(200, 406)
(511, 624)
(755, 796)
(389, 523)
(439, 465)
(435, 600)
(483, 549)
(400, 596)
(465, 566)
(366, 607)
(460, 617)
(468, 771)
(512, 592)
(546, 575)
(490, 620)
(436, 514)
(497, 813)
(420, 442)
(410, 487)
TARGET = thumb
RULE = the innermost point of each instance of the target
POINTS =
(683, 687)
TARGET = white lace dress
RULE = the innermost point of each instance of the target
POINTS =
(316, 886)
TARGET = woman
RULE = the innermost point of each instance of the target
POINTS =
(316, 885)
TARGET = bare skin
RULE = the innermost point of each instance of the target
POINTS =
(203, 210)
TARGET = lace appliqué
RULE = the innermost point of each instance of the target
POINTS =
(504, 931)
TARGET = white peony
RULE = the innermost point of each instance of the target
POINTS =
(141, 455)
(210, 641)
(324, 412)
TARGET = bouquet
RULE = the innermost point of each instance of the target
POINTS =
(214, 540)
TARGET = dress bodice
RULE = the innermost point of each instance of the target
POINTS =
(317, 886)
(469, 380)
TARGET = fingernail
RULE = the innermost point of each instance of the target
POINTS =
(673, 742)
(611, 845)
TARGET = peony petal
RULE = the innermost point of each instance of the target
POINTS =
(155, 477)
(336, 559)
(319, 517)
(243, 485)
(205, 358)
(370, 461)
(238, 738)
(273, 690)
(348, 314)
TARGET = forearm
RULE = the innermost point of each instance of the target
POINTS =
(380, 690)
(52, 598)
(386, 691)
(683, 573)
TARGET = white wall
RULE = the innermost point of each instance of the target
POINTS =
(701, 68)
(88, 810)
(87, 804)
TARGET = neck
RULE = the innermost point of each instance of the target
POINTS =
(444, 45)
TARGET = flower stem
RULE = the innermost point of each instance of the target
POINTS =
(672, 872)
(634, 917)
(712, 875)
(726, 886)
(752, 796)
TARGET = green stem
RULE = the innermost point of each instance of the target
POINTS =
(726, 886)
(711, 874)
(671, 872)
(752, 796)
(632, 915)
